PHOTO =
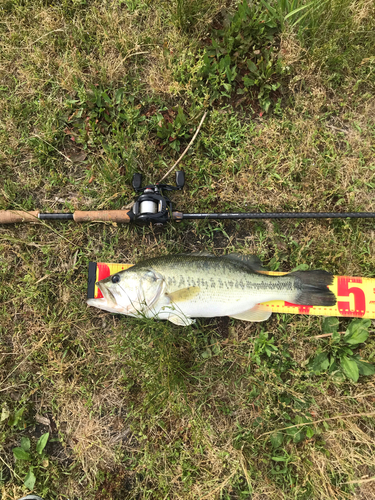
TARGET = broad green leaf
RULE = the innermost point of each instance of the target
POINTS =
(14, 419)
(258, 422)
(309, 432)
(276, 439)
(358, 324)
(364, 368)
(350, 368)
(207, 353)
(106, 98)
(332, 363)
(357, 338)
(175, 145)
(345, 351)
(248, 82)
(320, 362)
(216, 348)
(301, 267)
(357, 331)
(25, 443)
(279, 459)
(338, 376)
(252, 67)
(330, 324)
(42, 441)
(335, 337)
(266, 105)
(296, 433)
(21, 454)
(118, 95)
(30, 480)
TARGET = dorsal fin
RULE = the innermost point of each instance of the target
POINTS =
(251, 261)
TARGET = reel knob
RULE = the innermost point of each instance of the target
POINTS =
(180, 179)
(137, 182)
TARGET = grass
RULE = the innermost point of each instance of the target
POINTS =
(92, 92)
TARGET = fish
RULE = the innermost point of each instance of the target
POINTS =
(182, 287)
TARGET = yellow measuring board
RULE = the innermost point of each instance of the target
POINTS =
(355, 296)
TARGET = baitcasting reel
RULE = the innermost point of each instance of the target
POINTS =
(153, 205)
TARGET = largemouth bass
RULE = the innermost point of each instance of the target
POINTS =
(181, 287)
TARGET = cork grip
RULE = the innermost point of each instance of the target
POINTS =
(14, 216)
(102, 216)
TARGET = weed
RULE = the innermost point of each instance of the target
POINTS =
(242, 58)
(263, 345)
(338, 357)
(22, 453)
(173, 128)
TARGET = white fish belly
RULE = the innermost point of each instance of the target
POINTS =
(209, 305)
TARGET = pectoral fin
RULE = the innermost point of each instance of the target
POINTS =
(180, 320)
(256, 314)
(184, 294)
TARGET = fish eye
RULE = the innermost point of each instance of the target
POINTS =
(115, 278)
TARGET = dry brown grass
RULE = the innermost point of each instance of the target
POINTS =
(361, 11)
(88, 436)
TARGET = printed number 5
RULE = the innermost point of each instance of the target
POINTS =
(343, 290)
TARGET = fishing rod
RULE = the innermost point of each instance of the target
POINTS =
(153, 206)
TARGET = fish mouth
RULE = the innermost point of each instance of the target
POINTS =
(107, 294)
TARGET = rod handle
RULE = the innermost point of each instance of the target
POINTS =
(15, 216)
(102, 216)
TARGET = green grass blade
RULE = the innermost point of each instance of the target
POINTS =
(295, 11)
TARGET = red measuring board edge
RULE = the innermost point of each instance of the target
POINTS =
(97, 271)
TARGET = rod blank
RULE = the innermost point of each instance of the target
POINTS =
(282, 215)
(56, 216)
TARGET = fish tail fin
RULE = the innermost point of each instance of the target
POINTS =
(314, 289)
